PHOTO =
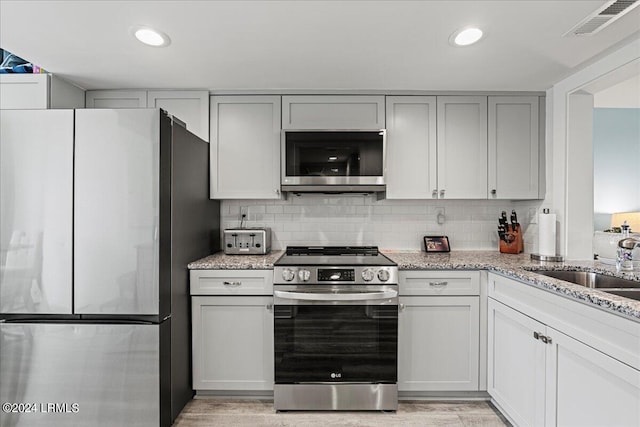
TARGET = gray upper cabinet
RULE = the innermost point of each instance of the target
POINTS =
(189, 106)
(116, 99)
(411, 162)
(245, 147)
(462, 147)
(513, 147)
(38, 92)
(24, 91)
(333, 112)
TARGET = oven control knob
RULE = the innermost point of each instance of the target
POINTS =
(383, 275)
(288, 274)
(368, 275)
(304, 275)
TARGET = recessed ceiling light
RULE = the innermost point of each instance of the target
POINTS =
(465, 36)
(151, 37)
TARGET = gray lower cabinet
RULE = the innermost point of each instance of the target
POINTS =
(438, 344)
(439, 331)
(555, 362)
(232, 332)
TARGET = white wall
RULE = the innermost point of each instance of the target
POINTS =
(625, 94)
(389, 224)
(616, 163)
(567, 167)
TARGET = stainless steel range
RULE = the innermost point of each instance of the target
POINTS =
(336, 329)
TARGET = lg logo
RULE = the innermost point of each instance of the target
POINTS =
(335, 375)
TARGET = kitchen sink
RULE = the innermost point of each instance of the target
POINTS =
(609, 284)
(627, 293)
(592, 280)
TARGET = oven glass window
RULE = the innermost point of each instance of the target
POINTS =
(341, 343)
(334, 153)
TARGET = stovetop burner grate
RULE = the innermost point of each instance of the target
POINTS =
(332, 250)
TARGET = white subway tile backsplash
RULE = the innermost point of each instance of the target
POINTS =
(389, 224)
(274, 209)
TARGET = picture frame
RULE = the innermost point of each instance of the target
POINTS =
(436, 244)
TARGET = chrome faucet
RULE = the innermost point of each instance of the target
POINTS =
(624, 259)
(629, 243)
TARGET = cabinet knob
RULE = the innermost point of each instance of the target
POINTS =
(269, 307)
(277, 191)
(401, 306)
(434, 194)
(493, 192)
(441, 193)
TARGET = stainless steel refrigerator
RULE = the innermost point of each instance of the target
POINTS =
(100, 212)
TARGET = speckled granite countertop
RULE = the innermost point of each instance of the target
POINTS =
(515, 266)
(220, 261)
(519, 267)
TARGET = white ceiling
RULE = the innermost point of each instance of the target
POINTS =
(308, 45)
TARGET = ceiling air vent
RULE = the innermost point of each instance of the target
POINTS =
(608, 13)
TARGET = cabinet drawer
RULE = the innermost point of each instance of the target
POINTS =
(231, 282)
(446, 282)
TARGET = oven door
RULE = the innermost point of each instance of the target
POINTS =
(330, 335)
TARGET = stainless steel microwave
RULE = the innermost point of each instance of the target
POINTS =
(333, 160)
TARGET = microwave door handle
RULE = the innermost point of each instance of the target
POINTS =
(314, 296)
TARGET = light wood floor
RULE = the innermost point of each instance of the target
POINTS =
(245, 413)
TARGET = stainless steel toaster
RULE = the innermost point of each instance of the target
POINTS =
(247, 241)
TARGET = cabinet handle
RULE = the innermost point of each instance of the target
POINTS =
(269, 307)
(438, 284)
(401, 307)
(277, 191)
(545, 339)
(232, 284)
(434, 194)
(441, 193)
(494, 192)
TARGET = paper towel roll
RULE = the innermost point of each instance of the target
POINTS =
(547, 234)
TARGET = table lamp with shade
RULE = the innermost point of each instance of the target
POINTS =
(632, 219)
(605, 244)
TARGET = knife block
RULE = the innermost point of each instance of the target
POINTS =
(514, 243)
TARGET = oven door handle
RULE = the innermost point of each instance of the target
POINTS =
(315, 296)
